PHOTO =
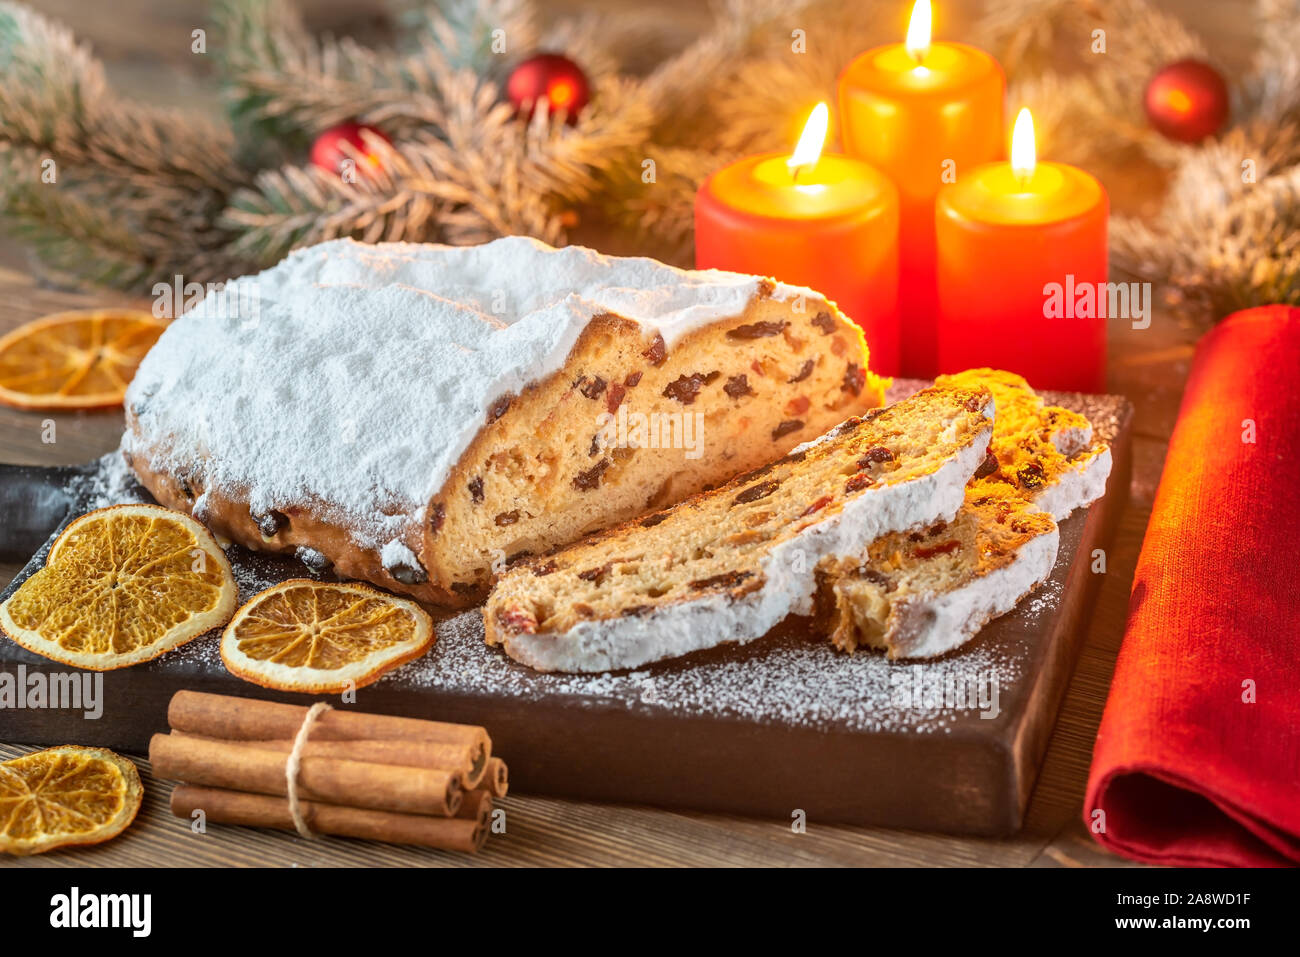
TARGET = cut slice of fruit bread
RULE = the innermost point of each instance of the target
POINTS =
(729, 564)
(1044, 452)
(924, 594)
(920, 594)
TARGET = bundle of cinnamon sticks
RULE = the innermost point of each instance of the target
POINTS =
(385, 778)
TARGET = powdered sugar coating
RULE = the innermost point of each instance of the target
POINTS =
(109, 482)
(350, 378)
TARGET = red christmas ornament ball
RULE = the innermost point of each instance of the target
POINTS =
(550, 77)
(1187, 101)
(328, 152)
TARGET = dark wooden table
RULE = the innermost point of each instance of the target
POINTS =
(1149, 366)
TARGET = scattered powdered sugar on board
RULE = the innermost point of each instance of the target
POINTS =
(111, 482)
(1046, 599)
(791, 679)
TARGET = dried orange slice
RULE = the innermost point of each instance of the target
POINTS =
(323, 638)
(122, 585)
(75, 360)
(68, 795)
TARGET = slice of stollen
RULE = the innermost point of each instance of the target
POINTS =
(920, 594)
(1044, 452)
(729, 564)
(924, 594)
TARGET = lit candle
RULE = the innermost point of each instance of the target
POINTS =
(824, 221)
(921, 112)
(1021, 250)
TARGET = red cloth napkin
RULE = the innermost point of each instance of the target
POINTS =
(1185, 771)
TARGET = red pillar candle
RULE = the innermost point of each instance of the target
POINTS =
(827, 222)
(922, 113)
(1021, 256)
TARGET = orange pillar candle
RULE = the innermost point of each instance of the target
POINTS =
(921, 112)
(828, 222)
(1021, 252)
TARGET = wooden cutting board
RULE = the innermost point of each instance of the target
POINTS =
(782, 725)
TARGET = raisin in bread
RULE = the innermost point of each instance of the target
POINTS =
(926, 593)
(419, 415)
(728, 564)
(1046, 453)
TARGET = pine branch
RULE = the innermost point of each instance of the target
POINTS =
(678, 88)
(765, 101)
(106, 192)
(1033, 36)
(599, 42)
(87, 242)
(660, 214)
(1218, 259)
(292, 85)
(570, 163)
(54, 99)
(464, 32)
(418, 192)
(1272, 91)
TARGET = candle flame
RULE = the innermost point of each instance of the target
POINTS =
(811, 141)
(918, 31)
(1024, 156)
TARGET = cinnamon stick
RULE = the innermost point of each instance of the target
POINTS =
(410, 754)
(248, 719)
(496, 778)
(260, 810)
(242, 767)
(476, 804)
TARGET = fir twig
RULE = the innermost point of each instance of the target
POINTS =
(478, 35)
(53, 98)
